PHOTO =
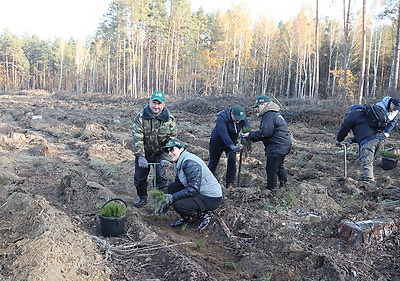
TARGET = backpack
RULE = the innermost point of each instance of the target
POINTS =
(376, 116)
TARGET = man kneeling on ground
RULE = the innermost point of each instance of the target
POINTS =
(195, 191)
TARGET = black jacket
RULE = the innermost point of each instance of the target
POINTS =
(273, 132)
(356, 122)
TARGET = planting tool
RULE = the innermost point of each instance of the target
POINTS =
(345, 159)
(240, 166)
(154, 173)
(344, 145)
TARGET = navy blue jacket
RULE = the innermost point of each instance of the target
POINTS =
(273, 133)
(356, 121)
(226, 132)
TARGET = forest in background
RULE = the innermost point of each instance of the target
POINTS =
(146, 45)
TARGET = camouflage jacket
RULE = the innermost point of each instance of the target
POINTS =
(151, 133)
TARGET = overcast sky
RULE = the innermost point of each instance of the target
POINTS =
(80, 18)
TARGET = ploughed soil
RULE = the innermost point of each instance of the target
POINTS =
(61, 154)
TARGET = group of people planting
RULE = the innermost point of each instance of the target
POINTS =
(196, 192)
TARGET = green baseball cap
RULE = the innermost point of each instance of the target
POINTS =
(238, 112)
(174, 142)
(261, 99)
(158, 95)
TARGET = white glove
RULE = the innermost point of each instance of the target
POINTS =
(386, 135)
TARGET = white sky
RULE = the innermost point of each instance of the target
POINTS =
(80, 18)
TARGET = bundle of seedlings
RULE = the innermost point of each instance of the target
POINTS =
(390, 153)
(160, 203)
(112, 209)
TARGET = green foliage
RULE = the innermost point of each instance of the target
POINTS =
(267, 206)
(351, 200)
(289, 198)
(184, 226)
(159, 200)
(4, 181)
(246, 130)
(200, 244)
(113, 209)
(230, 265)
(389, 154)
(267, 277)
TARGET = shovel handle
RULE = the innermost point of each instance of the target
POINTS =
(240, 166)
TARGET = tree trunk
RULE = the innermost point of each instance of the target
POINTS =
(394, 73)
(316, 63)
(362, 67)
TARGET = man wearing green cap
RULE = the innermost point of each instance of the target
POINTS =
(224, 138)
(153, 127)
(277, 140)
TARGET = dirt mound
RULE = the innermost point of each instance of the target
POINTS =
(41, 243)
(62, 154)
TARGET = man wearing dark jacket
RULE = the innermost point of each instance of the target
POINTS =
(368, 138)
(277, 140)
(224, 138)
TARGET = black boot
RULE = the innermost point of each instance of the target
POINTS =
(182, 221)
(140, 202)
(205, 221)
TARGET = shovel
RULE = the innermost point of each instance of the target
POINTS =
(154, 177)
(344, 145)
(240, 166)
(345, 160)
(154, 173)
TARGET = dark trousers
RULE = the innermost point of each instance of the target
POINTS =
(192, 206)
(275, 170)
(215, 155)
(141, 175)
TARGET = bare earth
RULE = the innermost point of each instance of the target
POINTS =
(61, 154)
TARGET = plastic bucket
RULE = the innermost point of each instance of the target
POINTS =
(112, 226)
(388, 163)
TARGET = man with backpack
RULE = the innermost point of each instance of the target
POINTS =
(391, 107)
(369, 137)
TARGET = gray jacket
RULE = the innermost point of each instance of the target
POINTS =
(194, 174)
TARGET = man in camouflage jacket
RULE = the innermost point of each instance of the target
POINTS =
(153, 127)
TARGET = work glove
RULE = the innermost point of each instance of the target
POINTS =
(234, 148)
(243, 141)
(164, 163)
(143, 162)
(169, 198)
(164, 209)
(386, 135)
